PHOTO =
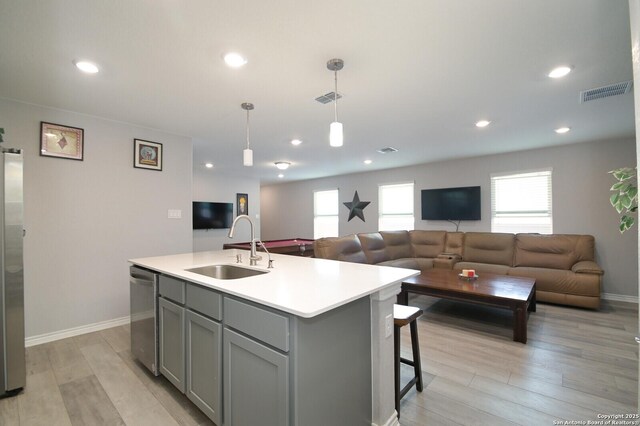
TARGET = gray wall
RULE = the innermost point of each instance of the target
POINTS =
(84, 219)
(210, 186)
(580, 199)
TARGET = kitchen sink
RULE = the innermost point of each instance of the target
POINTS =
(226, 272)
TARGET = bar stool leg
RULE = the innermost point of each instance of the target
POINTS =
(415, 346)
(396, 365)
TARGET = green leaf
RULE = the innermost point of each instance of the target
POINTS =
(626, 222)
(626, 201)
(621, 186)
(632, 192)
(614, 199)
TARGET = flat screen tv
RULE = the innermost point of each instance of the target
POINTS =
(451, 203)
(208, 215)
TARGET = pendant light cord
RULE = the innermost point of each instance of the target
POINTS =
(335, 96)
(248, 129)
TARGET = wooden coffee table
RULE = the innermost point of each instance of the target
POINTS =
(517, 294)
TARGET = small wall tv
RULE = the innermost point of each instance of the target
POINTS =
(207, 215)
(451, 203)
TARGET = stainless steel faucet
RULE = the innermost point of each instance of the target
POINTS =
(253, 257)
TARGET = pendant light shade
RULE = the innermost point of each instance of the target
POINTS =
(247, 157)
(335, 134)
(335, 130)
(247, 154)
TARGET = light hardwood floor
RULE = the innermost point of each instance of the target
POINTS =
(577, 364)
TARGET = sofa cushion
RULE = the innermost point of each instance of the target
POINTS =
(560, 281)
(427, 243)
(488, 247)
(454, 243)
(407, 262)
(482, 267)
(373, 247)
(397, 244)
(346, 248)
(555, 251)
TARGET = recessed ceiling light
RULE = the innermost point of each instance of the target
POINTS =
(86, 66)
(282, 165)
(296, 142)
(280, 175)
(559, 72)
(483, 123)
(368, 161)
(208, 165)
(234, 60)
(562, 130)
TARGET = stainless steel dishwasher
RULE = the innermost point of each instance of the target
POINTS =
(144, 311)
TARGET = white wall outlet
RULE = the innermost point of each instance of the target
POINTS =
(388, 325)
(175, 214)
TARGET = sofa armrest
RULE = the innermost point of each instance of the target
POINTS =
(587, 267)
(446, 261)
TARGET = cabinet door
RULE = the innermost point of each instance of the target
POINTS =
(172, 342)
(204, 342)
(256, 383)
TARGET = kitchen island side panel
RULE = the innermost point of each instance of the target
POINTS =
(331, 380)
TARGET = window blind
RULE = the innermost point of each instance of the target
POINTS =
(395, 207)
(325, 214)
(522, 202)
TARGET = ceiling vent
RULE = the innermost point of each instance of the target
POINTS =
(328, 97)
(387, 150)
(606, 91)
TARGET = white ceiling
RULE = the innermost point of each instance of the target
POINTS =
(418, 74)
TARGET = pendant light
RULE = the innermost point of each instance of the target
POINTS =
(335, 130)
(247, 157)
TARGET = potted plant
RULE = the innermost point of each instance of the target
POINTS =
(625, 196)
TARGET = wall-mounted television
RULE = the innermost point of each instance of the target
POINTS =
(208, 215)
(451, 203)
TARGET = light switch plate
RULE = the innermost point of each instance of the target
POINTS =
(175, 214)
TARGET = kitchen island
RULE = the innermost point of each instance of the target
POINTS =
(308, 342)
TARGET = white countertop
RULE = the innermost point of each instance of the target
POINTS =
(301, 286)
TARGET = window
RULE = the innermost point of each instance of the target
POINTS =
(325, 214)
(522, 202)
(396, 207)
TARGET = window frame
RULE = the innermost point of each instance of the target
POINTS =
(336, 215)
(515, 214)
(382, 216)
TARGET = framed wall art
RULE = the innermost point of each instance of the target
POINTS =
(242, 204)
(147, 155)
(57, 140)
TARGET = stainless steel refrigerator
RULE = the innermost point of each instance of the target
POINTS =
(12, 360)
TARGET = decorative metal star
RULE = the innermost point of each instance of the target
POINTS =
(356, 207)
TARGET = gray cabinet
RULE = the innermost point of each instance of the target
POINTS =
(204, 382)
(191, 342)
(172, 344)
(256, 383)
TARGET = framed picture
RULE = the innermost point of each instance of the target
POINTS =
(61, 141)
(242, 204)
(147, 155)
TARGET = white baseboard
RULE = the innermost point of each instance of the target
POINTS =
(619, 297)
(76, 331)
(391, 421)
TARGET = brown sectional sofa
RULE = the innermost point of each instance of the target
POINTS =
(563, 265)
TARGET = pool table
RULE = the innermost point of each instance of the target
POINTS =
(291, 246)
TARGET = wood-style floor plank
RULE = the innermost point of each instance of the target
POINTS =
(42, 403)
(88, 404)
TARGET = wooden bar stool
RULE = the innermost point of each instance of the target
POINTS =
(403, 315)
